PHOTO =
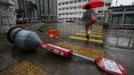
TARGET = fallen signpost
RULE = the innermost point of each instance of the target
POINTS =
(29, 40)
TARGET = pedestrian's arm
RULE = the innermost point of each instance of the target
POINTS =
(83, 17)
(94, 13)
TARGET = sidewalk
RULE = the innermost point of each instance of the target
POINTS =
(52, 64)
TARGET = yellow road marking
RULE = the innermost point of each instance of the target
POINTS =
(24, 68)
(90, 35)
(93, 32)
(85, 39)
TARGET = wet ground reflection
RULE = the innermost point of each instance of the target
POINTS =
(49, 62)
(113, 38)
(69, 28)
(56, 65)
(119, 39)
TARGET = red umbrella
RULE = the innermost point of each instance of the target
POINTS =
(94, 4)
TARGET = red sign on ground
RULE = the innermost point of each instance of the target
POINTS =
(57, 49)
(111, 66)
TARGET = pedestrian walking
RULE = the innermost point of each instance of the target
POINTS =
(88, 18)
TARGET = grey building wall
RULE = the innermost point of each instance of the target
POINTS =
(7, 15)
(102, 10)
(48, 7)
(23, 6)
(53, 8)
(122, 17)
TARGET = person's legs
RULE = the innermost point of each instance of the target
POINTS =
(88, 28)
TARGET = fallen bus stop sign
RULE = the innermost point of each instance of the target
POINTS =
(111, 66)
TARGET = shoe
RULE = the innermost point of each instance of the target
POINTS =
(87, 37)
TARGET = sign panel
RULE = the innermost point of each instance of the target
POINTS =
(111, 66)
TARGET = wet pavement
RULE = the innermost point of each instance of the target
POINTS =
(120, 49)
(124, 39)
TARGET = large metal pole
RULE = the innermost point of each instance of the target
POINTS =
(122, 21)
(43, 6)
(48, 7)
(25, 10)
(40, 8)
